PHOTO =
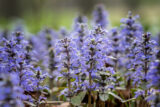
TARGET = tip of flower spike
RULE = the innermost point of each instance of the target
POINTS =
(147, 35)
(100, 16)
(18, 33)
(100, 7)
(114, 31)
(129, 14)
(47, 30)
(63, 32)
(81, 19)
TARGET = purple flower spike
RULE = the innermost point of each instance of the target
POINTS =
(100, 16)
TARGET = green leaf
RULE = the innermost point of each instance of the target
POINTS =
(76, 100)
(119, 98)
(30, 104)
(59, 78)
(96, 80)
(133, 90)
(124, 101)
(73, 79)
(120, 88)
(104, 96)
(115, 96)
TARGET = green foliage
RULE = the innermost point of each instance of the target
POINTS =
(29, 104)
(77, 99)
(119, 98)
(104, 96)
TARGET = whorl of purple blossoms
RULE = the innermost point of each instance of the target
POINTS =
(15, 60)
(154, 78)
(95, 57)
(10, 92)
(51, 57)
(131, 29)
(116, 51)
(131, 33)
(39, 77)
(100, 16)
(12, 53)
(80, 34)
(142, 57)
(79, 20)
(40, 44)
(51, 53)
(154, 74)
(68, 61)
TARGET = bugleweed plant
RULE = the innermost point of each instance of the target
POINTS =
(89, 65)
(67, 64)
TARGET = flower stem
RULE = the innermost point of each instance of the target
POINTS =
(89, 93)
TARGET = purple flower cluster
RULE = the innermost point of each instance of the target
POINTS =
(154, 77)
(131, 31)
(10, 91)
(67, 61)
(94, 55)
(131, 36)
(116, 50)
(143, 57)
(16, 60)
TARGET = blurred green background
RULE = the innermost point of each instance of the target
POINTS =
(35, 14)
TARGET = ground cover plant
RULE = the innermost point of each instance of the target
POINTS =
(92, 65)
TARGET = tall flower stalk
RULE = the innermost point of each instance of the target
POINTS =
(116, 51)
(66, 51)
(52, 62)
(80, 35)
(142, 63)
(131, 31)
(94, 58)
